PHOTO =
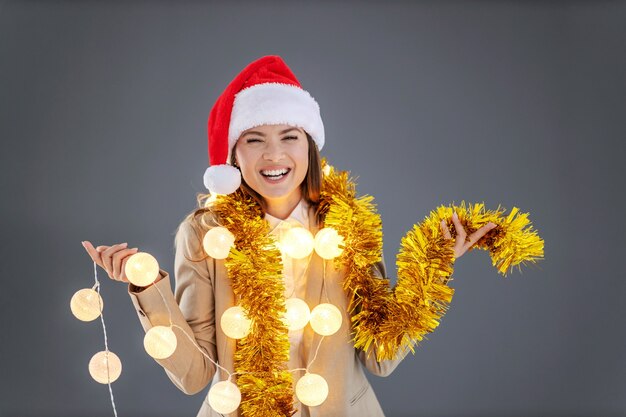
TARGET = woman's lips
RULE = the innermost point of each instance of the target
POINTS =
(275, 179)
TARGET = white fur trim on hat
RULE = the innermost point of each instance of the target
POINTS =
(273, 104)
(222, 179)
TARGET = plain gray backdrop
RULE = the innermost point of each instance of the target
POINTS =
(103, 109)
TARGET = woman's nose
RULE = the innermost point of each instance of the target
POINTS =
(273, 152)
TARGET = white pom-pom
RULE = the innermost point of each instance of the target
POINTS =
(222, 179)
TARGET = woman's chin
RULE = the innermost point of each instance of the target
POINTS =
(275, 193)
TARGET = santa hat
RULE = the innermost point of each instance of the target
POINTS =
(265, 92)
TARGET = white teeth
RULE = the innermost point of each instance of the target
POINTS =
(275, 172)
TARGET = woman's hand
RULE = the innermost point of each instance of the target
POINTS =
(462, 245)
(111, 258)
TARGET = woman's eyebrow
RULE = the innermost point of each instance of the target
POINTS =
(254, 132)
(289, 130)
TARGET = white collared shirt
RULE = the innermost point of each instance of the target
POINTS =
(294, 277)
(293, 269)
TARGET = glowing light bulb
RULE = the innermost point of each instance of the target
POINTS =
(298, 314)
(217, 242)
(141, 269)
(312, 389)
(86, 304)
(224, 397)
(160, 342)
(235, 323)
(327, 243)
(326, 319)
(297, 242)
(105, 367)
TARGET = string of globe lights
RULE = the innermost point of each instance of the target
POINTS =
(87, 305)
(160, 342)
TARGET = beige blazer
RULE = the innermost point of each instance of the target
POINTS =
(203, 292)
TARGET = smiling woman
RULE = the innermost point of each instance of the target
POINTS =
(264, 137)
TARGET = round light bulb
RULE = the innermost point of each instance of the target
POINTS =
(105, 367)
(141, 269)
(217, 242)
(224, 397)
(327, 243)
(86, 304)
(312, 389)
(297, 242)
(160, 342)
(298, 314)
(235, 323)
(326, 319)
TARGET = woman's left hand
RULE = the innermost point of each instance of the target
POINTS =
(463, 244)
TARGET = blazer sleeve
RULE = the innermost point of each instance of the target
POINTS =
(192, 311)
(368, 358)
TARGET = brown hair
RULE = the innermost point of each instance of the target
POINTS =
(311, 185)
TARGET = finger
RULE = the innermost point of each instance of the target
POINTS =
(123, 276)
(478, 234)
(117, 261)
(92, 252)
(459, 244)
(460, 231)
(445, 230)
(107, 255)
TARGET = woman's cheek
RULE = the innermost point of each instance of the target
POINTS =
(250, 177)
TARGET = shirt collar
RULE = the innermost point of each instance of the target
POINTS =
(299, 216)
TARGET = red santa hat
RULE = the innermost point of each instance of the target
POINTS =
(265, 92)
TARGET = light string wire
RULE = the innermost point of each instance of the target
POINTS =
(104, 330)
(231, 374)
(328, 301)
(192, 339)
(320, 342)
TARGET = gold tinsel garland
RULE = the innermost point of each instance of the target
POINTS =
(391, 321)
(255, 269)
(384, 320)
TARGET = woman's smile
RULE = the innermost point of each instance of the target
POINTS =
(275, 174)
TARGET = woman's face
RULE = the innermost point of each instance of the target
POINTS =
(274, 160)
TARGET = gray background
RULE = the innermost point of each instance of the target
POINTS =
(103, 109)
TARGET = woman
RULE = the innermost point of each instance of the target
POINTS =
(265, 133)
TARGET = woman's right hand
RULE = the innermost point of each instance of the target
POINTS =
(111, 258)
